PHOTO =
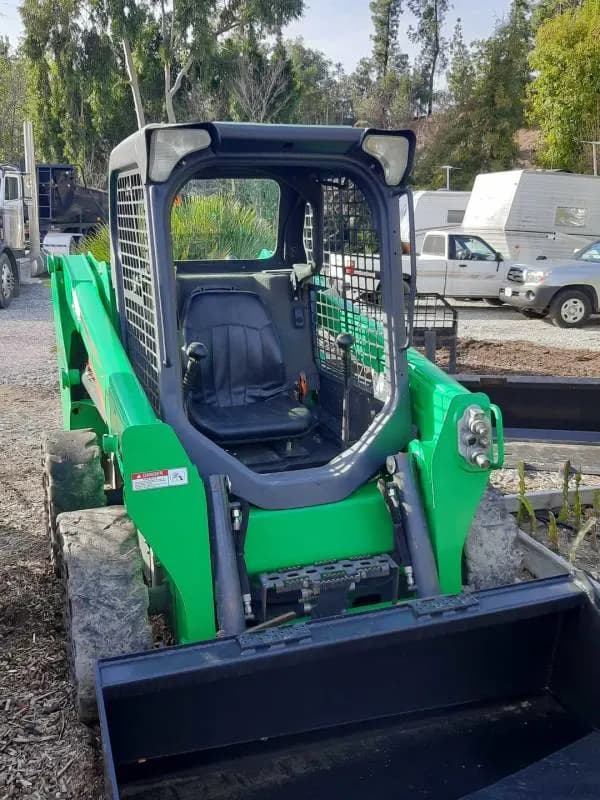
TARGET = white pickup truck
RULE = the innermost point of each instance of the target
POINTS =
(452, 264)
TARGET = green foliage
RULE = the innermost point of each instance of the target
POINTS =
(553, 531)
(526, 509)
(565, 508)
(219, 226)
(588, 527)
(577, 509)
(324, 94)
(227, 60)
(522, 491)
(97, 243)
(427, 34)
(78, 98)
(385, 15)
(487, 83)
(13, 77)
(547, 9)
(565, 95)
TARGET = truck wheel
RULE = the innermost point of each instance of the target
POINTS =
(8, 281)
(106, 599)
(571, 308)
(72, 478)
(492, 556)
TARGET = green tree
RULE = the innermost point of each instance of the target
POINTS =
(77, 97)
(546, 9)
(192, 34)
(380, 87)
(385, 16)
(263, 86)
(323, 93)
(487, 85)
(13, 78)
(461, 74)
(565, 94)
(427, 33)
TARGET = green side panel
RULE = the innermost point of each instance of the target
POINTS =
(69, 351)
(357, 526)
(84, 414)
(86, 332)
(105, 288)
(451, 488)
(174, 521)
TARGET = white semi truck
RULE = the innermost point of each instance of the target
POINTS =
(42, 210)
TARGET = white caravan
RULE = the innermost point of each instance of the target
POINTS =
(441, 210)
(531, 214)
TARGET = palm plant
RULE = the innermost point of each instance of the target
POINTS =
(209, 227)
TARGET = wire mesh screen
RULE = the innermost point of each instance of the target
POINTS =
(346, 297)
(136, 277)
(433, 312)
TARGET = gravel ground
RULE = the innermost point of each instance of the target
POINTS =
(27, 338)
(44, 751)
(478, 321)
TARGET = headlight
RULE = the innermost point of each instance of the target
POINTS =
(392, 152)
(534, 275)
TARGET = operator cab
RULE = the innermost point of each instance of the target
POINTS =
(269, 366)
(263, 371)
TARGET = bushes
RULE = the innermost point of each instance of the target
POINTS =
(211, 227)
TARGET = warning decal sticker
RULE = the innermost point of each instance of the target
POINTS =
(159, 479)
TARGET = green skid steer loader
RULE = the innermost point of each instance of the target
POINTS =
(256, 459)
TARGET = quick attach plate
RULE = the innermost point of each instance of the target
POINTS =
(322, 590)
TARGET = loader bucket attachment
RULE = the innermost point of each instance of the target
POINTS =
(442, 697)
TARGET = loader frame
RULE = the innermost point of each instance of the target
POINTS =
(102, 388)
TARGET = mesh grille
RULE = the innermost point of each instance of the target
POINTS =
(346, 296)
(136, 277)
(433, 313)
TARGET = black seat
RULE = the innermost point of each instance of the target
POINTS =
(242, 394)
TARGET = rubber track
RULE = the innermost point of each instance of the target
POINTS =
(492, 554)
(72, 478)
(106, 599)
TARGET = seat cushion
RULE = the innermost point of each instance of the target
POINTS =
(244, 363)
(277, 418)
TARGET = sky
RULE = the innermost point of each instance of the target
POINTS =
(340, 28)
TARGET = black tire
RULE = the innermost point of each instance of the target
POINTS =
(493, 301)
(8, 281)
(106, 599)
(492, 555)
(72, 478)
(531, 314)
(570, 308)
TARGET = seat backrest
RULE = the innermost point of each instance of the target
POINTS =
(245, 361)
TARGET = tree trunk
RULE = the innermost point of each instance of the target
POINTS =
(134, 83)
(169, 96)
(434, 58)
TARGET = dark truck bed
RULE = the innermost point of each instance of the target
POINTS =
(434, 758)
(437, 699)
